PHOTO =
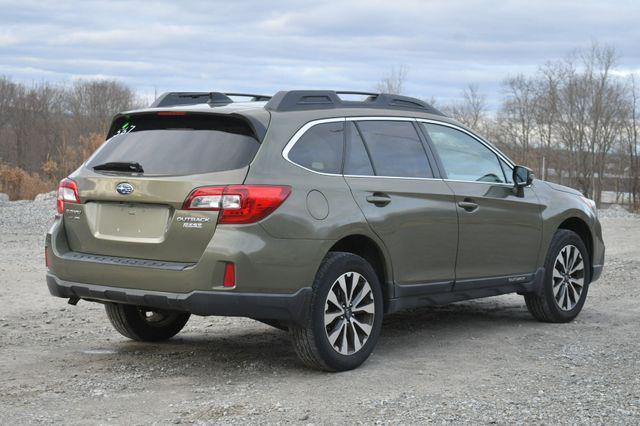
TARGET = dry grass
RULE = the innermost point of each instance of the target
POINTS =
(21, 185)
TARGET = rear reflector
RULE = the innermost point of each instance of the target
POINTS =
(67, 193)
(238, 203)
(229, 275)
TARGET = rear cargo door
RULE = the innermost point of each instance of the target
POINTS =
(136, 211)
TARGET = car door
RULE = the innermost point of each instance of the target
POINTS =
(499, 229)
(410, 208)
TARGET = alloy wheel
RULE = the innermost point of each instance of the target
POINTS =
(568, 277)
(349, 312)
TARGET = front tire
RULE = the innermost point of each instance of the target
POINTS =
(346, 315)
(144, 324)
(566, 280)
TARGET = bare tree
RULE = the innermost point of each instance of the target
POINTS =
(7, 99)
(516, 117)
(35, 118)
(39, 121)
(608, 111)
(7, 104)
(393, 82)
(545, 113)
(473, 108)
(632, 147)
(93, 103)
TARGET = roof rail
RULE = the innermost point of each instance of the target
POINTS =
(303, 100)
(252, 97)
(193, 98)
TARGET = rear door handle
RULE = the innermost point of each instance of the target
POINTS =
(468, 204)
(379, 199)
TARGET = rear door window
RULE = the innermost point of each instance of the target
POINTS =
(395, 148)
(320, 148)
(179, 145)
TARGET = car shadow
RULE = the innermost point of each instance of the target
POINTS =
(209, 350)
(476, 314)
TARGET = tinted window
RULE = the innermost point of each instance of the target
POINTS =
(508, 172)
(395, 148)
(356, 158)
(320, 148)
(463, 157)
(178, 145)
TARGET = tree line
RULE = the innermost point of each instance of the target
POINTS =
(47, 130)
(575, 121)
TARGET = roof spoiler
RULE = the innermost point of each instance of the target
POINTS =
(304, 100)
(212, 98)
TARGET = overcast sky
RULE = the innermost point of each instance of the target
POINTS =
(265, 46)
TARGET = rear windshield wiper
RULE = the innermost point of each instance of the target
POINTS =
(120, 166)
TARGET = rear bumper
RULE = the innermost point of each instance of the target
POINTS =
(285, 307)
(264, 264)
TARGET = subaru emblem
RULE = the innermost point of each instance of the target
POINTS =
(124, 188)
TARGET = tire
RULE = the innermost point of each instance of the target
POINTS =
(561, 298)
(139, 323)
(349, 326)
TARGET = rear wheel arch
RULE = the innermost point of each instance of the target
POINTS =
(370, 251)
(580, 227)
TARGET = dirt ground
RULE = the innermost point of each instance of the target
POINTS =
(484, 361)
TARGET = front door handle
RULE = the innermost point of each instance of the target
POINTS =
(468, 204)
(379, 199)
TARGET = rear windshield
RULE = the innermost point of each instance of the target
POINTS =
(178, 144)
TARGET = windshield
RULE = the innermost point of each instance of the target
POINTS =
(177, 144)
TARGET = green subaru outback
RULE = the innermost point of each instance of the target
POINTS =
(313, 211)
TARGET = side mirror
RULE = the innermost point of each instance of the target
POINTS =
(522, 176)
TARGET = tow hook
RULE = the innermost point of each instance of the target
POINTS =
(73, 301)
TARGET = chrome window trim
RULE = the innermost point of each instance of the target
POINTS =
(391, 177)
(297, 135)
(505, 184)
(379, 118)
(294, 139)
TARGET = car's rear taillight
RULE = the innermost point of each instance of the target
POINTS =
(238, 203)
(67, 193)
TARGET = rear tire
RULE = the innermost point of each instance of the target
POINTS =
(346, 315)
(144, 324)
(566, 280)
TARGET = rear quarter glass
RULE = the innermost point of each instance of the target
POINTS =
(178, 144)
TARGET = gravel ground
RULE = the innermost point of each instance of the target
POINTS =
(484, 361)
